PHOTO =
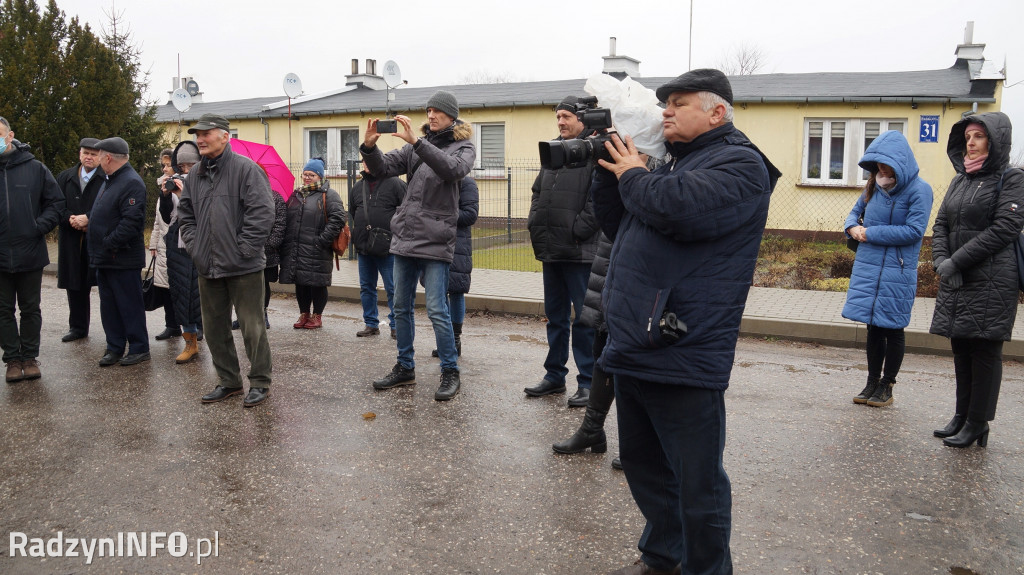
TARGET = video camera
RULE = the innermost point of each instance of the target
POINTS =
(576, 153)
(169, 183)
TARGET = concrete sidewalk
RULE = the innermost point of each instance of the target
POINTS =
(801, 315)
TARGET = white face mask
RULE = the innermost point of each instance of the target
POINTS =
(886, 183)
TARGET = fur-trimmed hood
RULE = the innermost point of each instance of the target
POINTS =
(458, 131)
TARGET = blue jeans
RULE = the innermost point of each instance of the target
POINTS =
(671, 442)
(435, 281)
(457, 307)
(565, 285)
(369, 268)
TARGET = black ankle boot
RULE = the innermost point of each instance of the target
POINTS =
(868, 390)
(883, 393)
(971, 431)
(952, 428)
(590, 434)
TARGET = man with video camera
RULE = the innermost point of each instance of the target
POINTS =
(564, 232)
(685, 241)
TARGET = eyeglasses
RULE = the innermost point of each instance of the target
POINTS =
(309, 175)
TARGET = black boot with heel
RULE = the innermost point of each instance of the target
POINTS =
(591, 432)
(952, 428)
(972, 431)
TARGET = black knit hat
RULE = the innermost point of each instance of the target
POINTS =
(568, 103)
(699, 80)
(446, 102)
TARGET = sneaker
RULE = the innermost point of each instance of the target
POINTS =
(450, 384)
(400, 375)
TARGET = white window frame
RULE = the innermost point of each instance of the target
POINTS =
(335, 162)
(853, 149)
(478, 167)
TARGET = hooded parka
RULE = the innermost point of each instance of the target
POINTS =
(883, 284)
(976, 227)
(306, 254)
(30, 205)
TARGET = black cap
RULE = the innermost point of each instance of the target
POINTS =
(209, 122)
(113, 145)
(568, 103)
(89, 143)
(699, 80)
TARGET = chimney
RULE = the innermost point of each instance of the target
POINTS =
(969, 52)
(620, 66)
(368, 79)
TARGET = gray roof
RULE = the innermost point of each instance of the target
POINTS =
(949, 85)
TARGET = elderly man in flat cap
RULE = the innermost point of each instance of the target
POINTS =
(686, 238)
(226, 212)
(32, 205)
(117, 252)
(80, 184)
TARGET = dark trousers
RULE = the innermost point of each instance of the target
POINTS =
(79, 309)
(979, 372)
(565, 285)
(311, 296)
(671, 442)
(122, 310)
(885, 348)
(244, 293)
(23, 289)
(170, 320)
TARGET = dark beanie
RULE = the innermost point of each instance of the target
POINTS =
(446, 102)
(568, 104)
(699, 80)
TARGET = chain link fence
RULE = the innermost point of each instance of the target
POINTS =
(501, 240)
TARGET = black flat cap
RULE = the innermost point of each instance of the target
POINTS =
(699, 80)
(113, 145)
(209, 122)
(89, 143)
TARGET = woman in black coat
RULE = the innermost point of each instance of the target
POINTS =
(316, 215)
(461, 269)
(973, 252)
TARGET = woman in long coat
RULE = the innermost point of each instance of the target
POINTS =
(973, 250)
(316, 216)
(895, 208)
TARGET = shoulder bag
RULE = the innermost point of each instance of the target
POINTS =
(340, 244)
(378, 242)
(150, 298)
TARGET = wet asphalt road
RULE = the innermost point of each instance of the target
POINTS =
(313, 482)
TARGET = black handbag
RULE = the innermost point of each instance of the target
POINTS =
(852, 243)
(150, 298)
(378, 241)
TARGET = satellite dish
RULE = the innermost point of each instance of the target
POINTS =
(193, 88)
(292, 85)
(392, 74)
(181, 99)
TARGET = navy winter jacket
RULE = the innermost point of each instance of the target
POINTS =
(884, 280)
(117, 221)
(685, 240)
(31, 205)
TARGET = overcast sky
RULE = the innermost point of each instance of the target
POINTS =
(240, 49)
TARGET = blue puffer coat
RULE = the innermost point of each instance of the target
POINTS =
(685, 240)
(884, 280)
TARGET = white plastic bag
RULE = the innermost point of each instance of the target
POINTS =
(635, 111)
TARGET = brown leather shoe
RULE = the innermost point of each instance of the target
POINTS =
(14, 372)
(30, 369)
(303, 318)
(368, 331)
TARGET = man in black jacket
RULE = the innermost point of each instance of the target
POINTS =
(79, 184)
(116, 251)
(372, 203)
(32, 204)
(564, 231)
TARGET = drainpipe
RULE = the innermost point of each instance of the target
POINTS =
(266, 130)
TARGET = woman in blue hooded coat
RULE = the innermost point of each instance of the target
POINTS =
(894, 209)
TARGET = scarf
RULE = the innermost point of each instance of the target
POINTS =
(971, 166)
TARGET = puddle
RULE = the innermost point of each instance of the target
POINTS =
(527, 339)
(961, 571)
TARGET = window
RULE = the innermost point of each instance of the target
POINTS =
(335, 145)
(832, 148)
(489, 140)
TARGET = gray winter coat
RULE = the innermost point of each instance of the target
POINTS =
(424, 225)
(976, 227)
(226, 213)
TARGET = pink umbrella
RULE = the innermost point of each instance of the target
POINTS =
(282, 180)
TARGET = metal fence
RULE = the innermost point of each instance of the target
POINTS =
(501, 240)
